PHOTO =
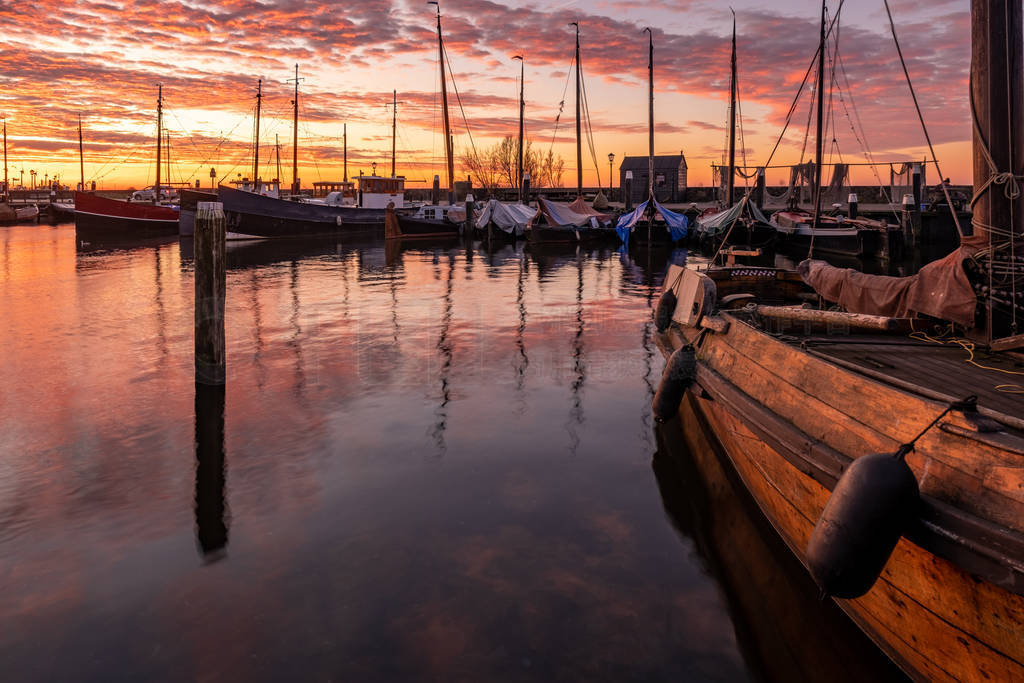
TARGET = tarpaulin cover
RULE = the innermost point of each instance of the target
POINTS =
(577, 214)
(507, 217)
(940, 289)
(719, 222)
(677, 222)
(628, 220)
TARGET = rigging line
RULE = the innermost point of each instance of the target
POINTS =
(458, 98)
(590, 130)
(561, 104)
(861, 137)
(796, 99)
(913, 95)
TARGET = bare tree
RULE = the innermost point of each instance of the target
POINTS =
(499, 165)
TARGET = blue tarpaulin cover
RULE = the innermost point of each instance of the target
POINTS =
(628, 220)
(676, 222)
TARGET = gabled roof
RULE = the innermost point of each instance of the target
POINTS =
(661, 163)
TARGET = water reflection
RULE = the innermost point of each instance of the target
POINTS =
(211, 473)
(785, 631)
(354, 554)
(444, 352)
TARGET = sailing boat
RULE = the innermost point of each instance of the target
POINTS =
(97, 216)
(822, 427)
(837, 235)
(436, 220)
(9, 213)
(675, 224)
(578, 221)
(261, 214)
(743, 222)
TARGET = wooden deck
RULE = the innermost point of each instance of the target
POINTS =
(944, 369)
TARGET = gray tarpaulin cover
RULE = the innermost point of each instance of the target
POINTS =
(507, 217)
(940, 289)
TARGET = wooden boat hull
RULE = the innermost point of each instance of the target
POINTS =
(926, 611)
(103, 218)
(420, 228)
(260, 216)
(546, 234)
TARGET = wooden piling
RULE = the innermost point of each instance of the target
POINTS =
(435, 192)
(627, 199)
(210, 278)
(526, 189)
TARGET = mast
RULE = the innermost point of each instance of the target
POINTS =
(295, 135)
(522, 109)
(650, 115)
(159, 136)
(821, 112)
(7, 188)
(277, 155)
(256, 148)
(732, 121)
(394, 127)
(344, 137)
(81, 154)
(579, 147)
(444, 106)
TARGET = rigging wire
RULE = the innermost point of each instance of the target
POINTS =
(913, 95)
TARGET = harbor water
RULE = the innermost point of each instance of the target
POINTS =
(430, 462)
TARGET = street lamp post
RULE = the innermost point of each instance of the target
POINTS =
(374, 166)
(32, 173)
(611, 159)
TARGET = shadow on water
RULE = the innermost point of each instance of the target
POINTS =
(784, 630)
(211, 473)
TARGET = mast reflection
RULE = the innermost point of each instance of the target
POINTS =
(579, 365)
(211, 473)
(522, 361)
(444, 349)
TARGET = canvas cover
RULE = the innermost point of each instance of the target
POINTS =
(577, 214)
(507, 217)
(628, 220)
(940, 289)
(718, 223)
(676, 222)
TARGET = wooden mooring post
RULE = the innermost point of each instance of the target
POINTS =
(210, 278)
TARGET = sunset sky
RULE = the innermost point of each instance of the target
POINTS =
(103, 61)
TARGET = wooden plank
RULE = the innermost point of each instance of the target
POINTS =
(856, 419)
(979, 621)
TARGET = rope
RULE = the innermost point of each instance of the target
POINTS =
(931, 149)
(968, 346)
(966, 405)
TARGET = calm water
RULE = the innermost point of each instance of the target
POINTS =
(429, 463)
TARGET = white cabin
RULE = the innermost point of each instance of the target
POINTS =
(376, 192)
(262, 187)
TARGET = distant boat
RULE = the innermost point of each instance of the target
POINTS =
(17, 214)
(97, 216)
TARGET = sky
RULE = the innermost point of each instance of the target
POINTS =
(103, 61)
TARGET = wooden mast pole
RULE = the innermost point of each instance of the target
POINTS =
(7, 188)
(81, 155)
(730, 183)
(579, 147)
(256, 148)
(295, 135)
(996, 98)
(650, 126)
(277, 156)
(821, 113)
(444, 105)
(394, 127)
(522, 109)
(159, 137)
(344, 137)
